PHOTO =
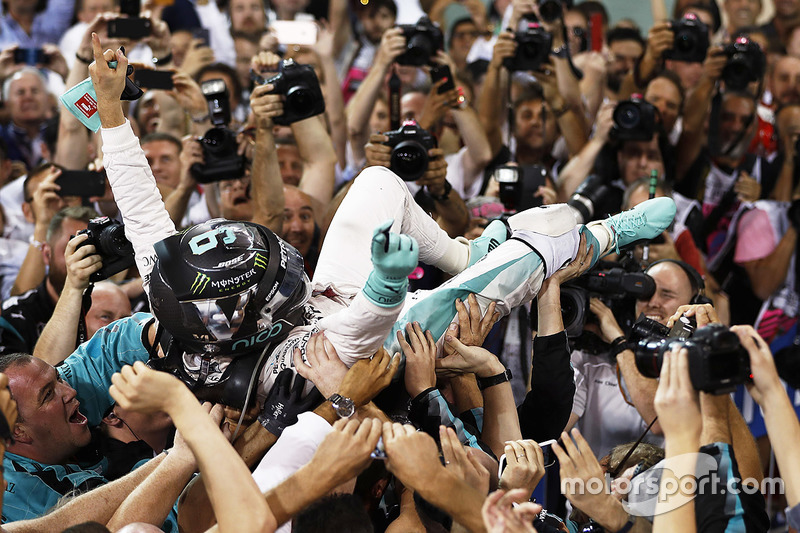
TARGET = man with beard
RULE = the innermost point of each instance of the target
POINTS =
(23, 318)
(740, 14)
(625, 48)
(299, 228)
(247, 16)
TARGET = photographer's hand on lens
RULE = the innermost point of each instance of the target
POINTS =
(368, 377)
(420, 353)
(81, 262)
(323, 367)
(660, 38)
(265, 106)
(609, 327)
(704, 314)
(393, 43)
(747, 188)
(505, 47)
(501, 515)
(285, 401)
(714, 64)
(377, 153)
(436, 174)
(766, 382)
(676, 401)
(462, 460)
(604, 121)
(524, 465)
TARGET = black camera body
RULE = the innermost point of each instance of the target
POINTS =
(717, 360)
(746, 64)
(634, 120)
(691, 40)
(533, 48)
(220, 149)
(423, 39)
(108, 237)
(519, 185)
(300, 87)
(410, 145)
(616, 287)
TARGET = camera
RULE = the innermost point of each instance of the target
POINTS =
(220, 149)
(746, 64)
(519, 184)
(595, 199)
(108, 238)
(410, 145)
(717, 360)
(691, 40)
(615, 286)
(423, 39)
(634, 120)
(300, 87)
(533, 48)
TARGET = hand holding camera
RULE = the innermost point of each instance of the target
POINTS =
(660, 39)
(423, 40)
(299, 88)
(766, 383)
(107, 237)
(393, 43)
(504, 49)
(82, 261)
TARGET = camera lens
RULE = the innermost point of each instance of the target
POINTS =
(409, 160)
(649, 356)
(550, 10)
(219, 141)
(685, 42)
(112, 242)
(627, 116)
(420, 49)
(736, 73)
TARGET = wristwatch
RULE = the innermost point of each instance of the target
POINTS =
(497, 379)
(445, 195)
(342, 406)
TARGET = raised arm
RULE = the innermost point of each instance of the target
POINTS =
(319, 162)
(266, 175)
(491, 104)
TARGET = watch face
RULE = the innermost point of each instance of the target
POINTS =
(344, 407)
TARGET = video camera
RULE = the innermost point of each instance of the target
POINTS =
(220, 149)
(746, 64)
(634, 120)
(717, 360)
(691, 40)
(300, 86)
(410, 145)
(615, 286)
(533, 48)
(423, 40)
(108, 237)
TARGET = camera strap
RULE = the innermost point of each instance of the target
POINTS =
(614, 472)
(394, 100)
(86, 303)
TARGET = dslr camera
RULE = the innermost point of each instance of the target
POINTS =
(410, 145)
(614, 286)
(220, 148)
(423, 39)
(717, 360)
(746, 64)
(519, 184)
(691, 40)
(595, 199)
(634, 120)
(300, 87)
(533, 48)
(108, 238)
(551, 10)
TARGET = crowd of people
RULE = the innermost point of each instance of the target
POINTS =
(424, 265)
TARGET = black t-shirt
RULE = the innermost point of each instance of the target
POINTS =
(23, 319)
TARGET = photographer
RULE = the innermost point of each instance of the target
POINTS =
(31, 25)
(624, 409)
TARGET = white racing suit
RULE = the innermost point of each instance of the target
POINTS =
(510, 275)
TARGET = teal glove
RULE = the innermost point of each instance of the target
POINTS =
(394, 257)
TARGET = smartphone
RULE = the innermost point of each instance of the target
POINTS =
(202, 34)
(302, 32)
(596, 32)
(549, 458)
(130, 8)
(153, 79)
(83, 183)
(30, 56)
(130, 28)
(440, 72)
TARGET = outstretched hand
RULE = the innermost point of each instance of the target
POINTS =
(109, 82)
(140, 388)
(368, 377)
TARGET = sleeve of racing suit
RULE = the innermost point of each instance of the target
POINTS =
(135, 192)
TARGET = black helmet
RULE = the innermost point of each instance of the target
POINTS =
(227, 288)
